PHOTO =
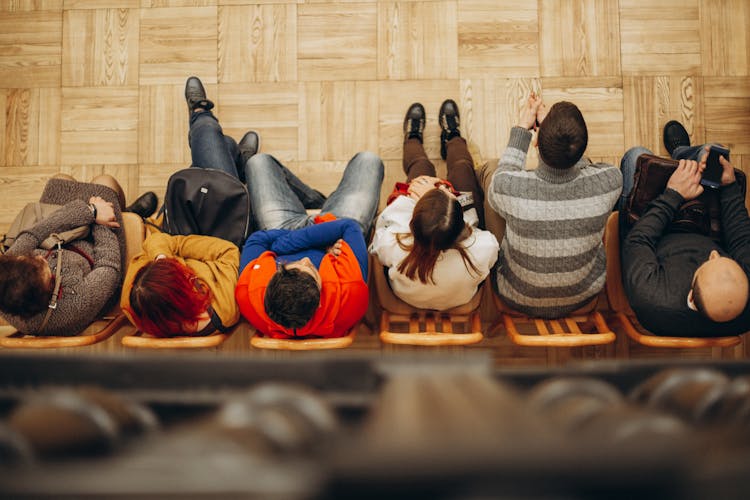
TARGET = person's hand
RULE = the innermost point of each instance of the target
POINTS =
(420, 185)
(160, 256)
(727, 174)
(541, 114)
(686, 179)
(335, 249)
(529, 112)
(105, 212)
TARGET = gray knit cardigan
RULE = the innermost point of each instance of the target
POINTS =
(85, 291)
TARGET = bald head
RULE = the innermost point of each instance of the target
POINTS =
(720, 288)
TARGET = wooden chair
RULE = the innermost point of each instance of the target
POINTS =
(425, 327)
(262, 342)
(618, 303)
(561, 332)
(100, 329)
(141, 340)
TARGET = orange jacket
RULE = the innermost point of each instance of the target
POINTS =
(343, 297)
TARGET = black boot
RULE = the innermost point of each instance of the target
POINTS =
(414, 122)
(249, 145)
(675, 136)
(144, 205)
(450, 121)
(195, 95)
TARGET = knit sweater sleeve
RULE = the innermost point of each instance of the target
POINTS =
(512, 160)
(73, 214)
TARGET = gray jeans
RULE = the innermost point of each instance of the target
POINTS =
(276, 206)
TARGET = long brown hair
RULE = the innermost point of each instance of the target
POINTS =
(437, 224)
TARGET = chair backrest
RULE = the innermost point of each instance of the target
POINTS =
(135, 233)
(616, 297)
(393, 304)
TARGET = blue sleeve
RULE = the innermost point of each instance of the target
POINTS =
(257, 243)
(355, 239)
(319, 236)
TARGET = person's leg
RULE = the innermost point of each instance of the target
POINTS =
(111, 182)
(209, 146)
(358, 194)
(689, 153)
(492, 220)
(461, 175)
(274, 204)
(415, 160)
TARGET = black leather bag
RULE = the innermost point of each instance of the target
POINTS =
(700, 215)
(209, 202)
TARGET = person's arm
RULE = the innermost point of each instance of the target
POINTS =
(735, 222)
(194, 246)
(319, 236)
(640, 262)
(352, 235)
(73, 214)
(257, 243)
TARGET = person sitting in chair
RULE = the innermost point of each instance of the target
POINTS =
(428, 236)
(685, 283)
(300, 275)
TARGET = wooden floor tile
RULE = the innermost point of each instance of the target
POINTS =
(154, 177)
(725, 37)
(580, 38)
(270, 109)
(337, 41)
(258, 43)
(99, 125)
(395, 99)
(660, 37)
(176, 43)
(651, 101)
(30, 126)
(101, 4)
(600, 101)
(727, 112)
(29, 5)
(30, 49)
(498, 40)
(337, 119)
(163, 123)
(490, 108)
(417, 40)
(100, 47)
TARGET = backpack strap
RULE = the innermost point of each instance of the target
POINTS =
(58, 281)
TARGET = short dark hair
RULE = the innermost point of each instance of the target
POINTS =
(292, 297)
(563, 136)
(23, 290)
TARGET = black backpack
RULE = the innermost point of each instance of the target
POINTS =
(207, 201)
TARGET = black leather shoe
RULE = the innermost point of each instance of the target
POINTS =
(450, 122)
(414, 122)
(144, 205)
(249, 145)
(195, 95)
(675, 135)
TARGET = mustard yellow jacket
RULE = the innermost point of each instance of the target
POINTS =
(213, 260)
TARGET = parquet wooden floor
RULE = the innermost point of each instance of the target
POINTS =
(92, 86)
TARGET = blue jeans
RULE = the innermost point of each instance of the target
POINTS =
(210, 148)
(276, 205)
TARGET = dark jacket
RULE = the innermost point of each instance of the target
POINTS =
(658, 266)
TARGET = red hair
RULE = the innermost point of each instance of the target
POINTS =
(167, 295)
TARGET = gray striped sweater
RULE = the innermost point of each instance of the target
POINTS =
(552, 259)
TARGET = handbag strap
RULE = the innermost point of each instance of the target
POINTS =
(53, 300)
